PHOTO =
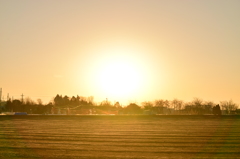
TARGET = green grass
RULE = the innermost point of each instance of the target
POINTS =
(119, 137)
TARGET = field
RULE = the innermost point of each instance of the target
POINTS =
(119, 137)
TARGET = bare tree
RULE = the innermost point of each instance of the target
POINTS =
(39, 101)
(28, 101)
(177, 104)
(167, 103)
(90, 99)
(162, 103)
(228, 106)
(161, 106)
(159, 103)
(147, 105)
(208, 107)
(197, 102)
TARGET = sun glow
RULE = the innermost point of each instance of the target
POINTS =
(120, 73)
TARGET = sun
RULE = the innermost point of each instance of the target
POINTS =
(119, 74)
(119, 78)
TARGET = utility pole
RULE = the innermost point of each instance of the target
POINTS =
(8, 97)
(22, 97)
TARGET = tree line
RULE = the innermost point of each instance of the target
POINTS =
(85, 105)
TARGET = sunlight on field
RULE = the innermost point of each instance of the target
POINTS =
(120, 137)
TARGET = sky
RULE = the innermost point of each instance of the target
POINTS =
(122, 50)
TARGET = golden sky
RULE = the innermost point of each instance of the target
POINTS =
(123, 50)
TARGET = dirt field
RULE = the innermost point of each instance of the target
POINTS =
(119, 137)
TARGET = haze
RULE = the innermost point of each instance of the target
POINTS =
(138, 50)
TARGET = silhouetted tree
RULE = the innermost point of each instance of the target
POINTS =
(58, 100)
(147, 105)
(198, 106)
(66, 101)
(228, 106)
(39, 101)
(49, 107)
(73, 101)
(117, 105)
(78, 100)
(30, 105)
(16, 105)
(217, 110)
(161, 106)
(177, 104)
(9, 107)
(105, 105)
(208, 106)
(133, 108)
(90, 99)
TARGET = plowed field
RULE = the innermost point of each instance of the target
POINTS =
(119, 137)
